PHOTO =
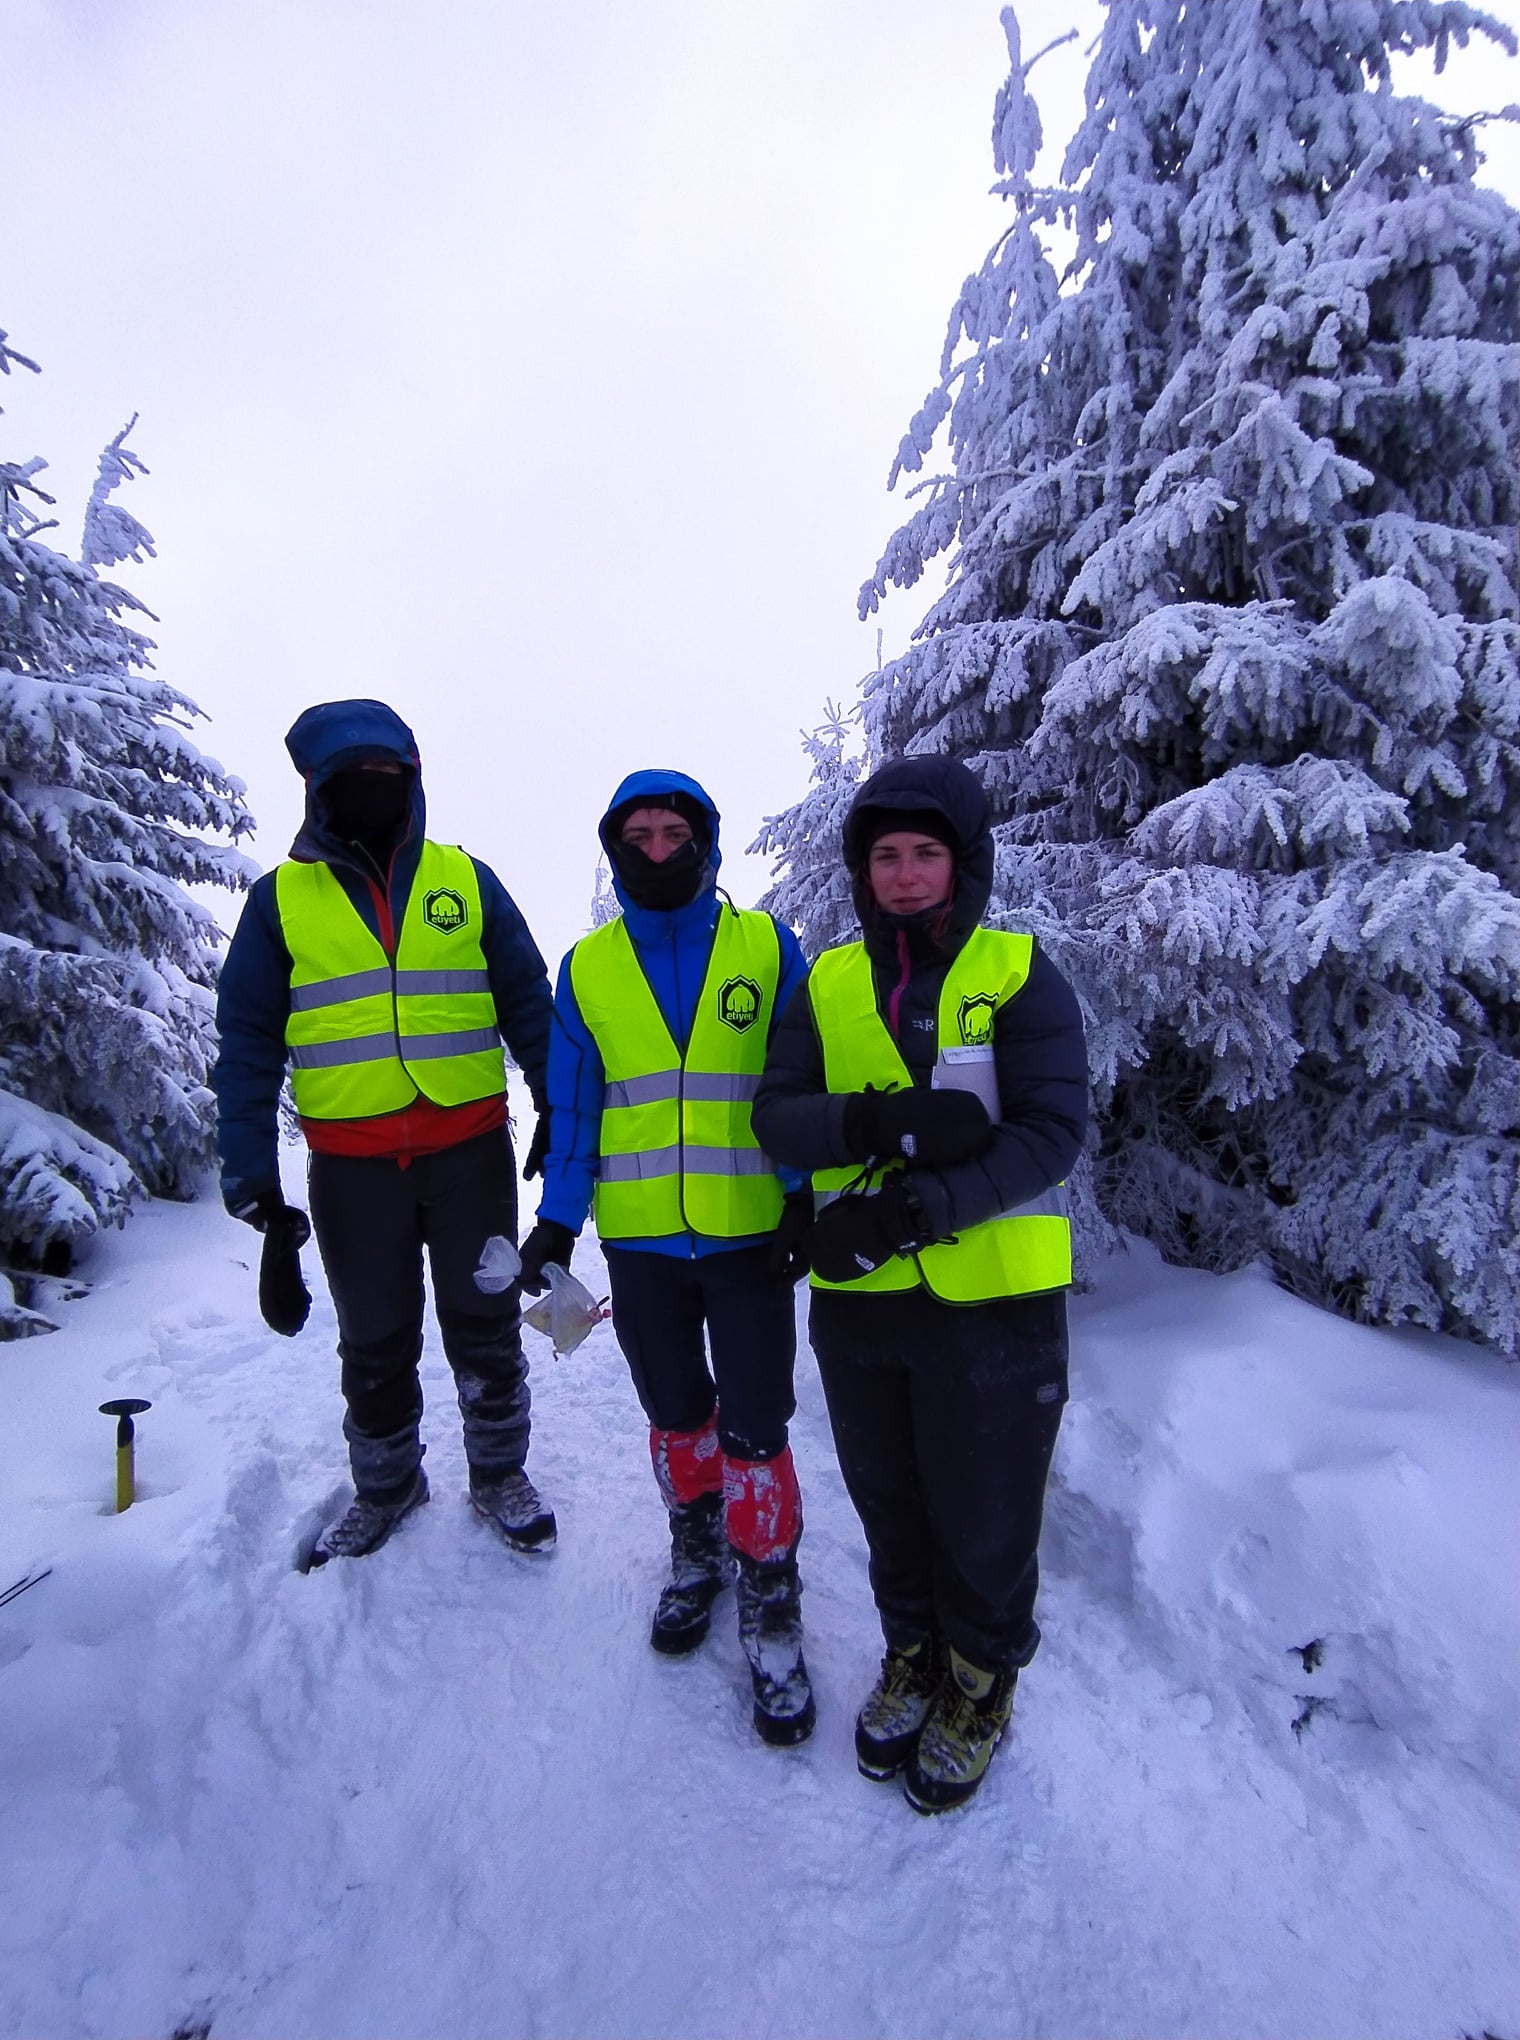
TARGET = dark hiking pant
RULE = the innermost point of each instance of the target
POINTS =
(659, 1308)
(944, 1419)
(372, 1220)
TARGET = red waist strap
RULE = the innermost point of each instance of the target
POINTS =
(421, 1128)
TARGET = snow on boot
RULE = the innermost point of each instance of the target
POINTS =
(964, 1727)
(888, 1724)
(364, 1527)
(514, 1507)
(770, 1629)
(700, 1568)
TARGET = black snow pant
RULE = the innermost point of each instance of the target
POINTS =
(372, 1219)
(945, 1419)
(659, 1307)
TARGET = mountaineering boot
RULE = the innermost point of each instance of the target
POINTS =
(770, 1629)
(366, 1525)
(514, 1507)
(889, 1721)
(700, 1568)
(964, 1726)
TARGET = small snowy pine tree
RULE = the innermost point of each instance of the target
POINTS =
(604, 904)
(1231, 634)
(812, 893)
(106, 964)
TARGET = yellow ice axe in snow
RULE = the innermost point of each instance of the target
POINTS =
(124, 1411)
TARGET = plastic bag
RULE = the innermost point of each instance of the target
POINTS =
(500, 1266)
(567, 1313)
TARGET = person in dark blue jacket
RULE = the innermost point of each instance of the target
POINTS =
(660, 1023)
(385, 969)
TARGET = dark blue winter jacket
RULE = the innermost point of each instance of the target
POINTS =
(674, 949)
(253, 1000)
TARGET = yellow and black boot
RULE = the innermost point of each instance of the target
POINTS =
(964, 1726)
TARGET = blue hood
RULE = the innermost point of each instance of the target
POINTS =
(322, 740)
(646, 788)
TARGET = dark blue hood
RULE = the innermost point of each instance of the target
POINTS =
(644, 789)
(323, 740)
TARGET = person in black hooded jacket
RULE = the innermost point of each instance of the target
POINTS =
(934, 1082)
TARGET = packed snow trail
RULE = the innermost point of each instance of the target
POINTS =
(450, 1791)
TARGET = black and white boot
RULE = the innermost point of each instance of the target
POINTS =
(701, 1566)
(894, 1711)
(365, 1525)
(770, 1629)
(514, 1508)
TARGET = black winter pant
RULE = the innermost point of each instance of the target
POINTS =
(659, 1307)
(372, 1220)
(945, 1418)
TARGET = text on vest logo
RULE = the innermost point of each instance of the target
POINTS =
(739, 1004)
(445, 911)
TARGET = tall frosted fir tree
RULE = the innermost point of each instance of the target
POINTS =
(1231, 633)
(106, 963)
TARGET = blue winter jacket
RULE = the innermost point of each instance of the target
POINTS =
(674, 949)
(253, 999)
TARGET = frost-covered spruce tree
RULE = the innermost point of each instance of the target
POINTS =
(106, 964)
(812, 893)
(1231, 634)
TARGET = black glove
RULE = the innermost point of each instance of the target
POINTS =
(788, 1256)
(284, 1299)
(538, 1148)
(930, 1128)
(548, 1241)
(855, 1235)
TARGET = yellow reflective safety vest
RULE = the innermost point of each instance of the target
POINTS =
(1017, 1254)
(678, 1153)
(366, 1032)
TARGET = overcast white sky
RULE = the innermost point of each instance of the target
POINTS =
(535, 368)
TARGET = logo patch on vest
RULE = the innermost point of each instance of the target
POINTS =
(739, 1004)
(444, 910)
(977, 1016)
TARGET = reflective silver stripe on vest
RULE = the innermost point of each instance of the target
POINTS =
(418, 984)
(428, 1047)
(361, 1048)
(365, 984)
(652, 1163)
(332, 1055)
(664, 1085)
(655, 1089)
(1051, 1203)
(359, 984)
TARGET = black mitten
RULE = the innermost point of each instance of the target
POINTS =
(538, 1147)
(788, 1255)
(855, 1235)
(548, 1241)
(284, 1299)
(930, 1128)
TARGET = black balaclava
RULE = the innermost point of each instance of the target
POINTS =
(662, 888)
(368, 807)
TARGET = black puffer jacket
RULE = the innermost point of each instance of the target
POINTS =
(1037, 1039)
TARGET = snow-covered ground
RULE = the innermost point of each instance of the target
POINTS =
(1262, 1778)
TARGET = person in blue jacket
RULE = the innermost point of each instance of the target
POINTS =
(385, 969)
(661, 1018)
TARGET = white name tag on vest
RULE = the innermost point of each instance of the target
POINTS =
(973, 1070)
